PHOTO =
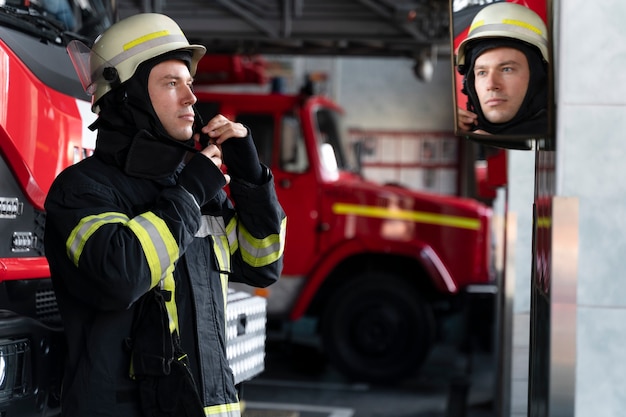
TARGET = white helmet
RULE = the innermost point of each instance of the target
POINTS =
(118, 51)
(506, 20)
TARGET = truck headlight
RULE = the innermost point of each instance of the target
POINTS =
(14, 367)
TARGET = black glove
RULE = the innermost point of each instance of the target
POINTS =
(201, 178)
(242, 160)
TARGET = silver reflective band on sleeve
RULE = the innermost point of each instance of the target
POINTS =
(211, 226)
(159, 246)
(260, 252)
(86, 227)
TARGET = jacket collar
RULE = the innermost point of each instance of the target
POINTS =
(142, 155)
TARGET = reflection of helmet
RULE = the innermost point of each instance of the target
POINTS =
(118, 52)
(506, 20)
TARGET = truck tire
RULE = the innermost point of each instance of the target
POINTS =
(377, 328)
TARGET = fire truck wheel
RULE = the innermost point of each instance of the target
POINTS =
(377, 328)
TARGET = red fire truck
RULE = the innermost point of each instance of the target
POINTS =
(374, 266)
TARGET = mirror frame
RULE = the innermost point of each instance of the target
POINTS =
(457, 34)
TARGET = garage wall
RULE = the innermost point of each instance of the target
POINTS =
(385, 94)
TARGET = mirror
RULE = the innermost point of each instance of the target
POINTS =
(502, 74)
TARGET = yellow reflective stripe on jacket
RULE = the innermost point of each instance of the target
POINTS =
(222, 254)
(161, 251)
(231, 232)
(223, 410)
(86, 227)
(214, 227)
(264, 251)
(158, 244)
(172, 312)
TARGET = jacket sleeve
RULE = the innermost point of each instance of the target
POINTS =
(261, 227)
(107, 252)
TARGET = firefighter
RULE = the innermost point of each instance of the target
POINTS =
(142, 239)
(504, 64)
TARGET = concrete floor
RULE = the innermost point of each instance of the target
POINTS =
(298, 382)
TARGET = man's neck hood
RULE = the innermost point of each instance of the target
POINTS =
(532, 117)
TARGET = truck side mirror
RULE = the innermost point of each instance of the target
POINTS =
(502, 72)
(357, 148)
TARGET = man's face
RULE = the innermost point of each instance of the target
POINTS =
(169, 87)
(501, 79)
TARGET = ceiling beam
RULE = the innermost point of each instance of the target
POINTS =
(249, 18)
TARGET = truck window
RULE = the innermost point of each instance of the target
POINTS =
(331, 132)
(293, 156)
(262, 128)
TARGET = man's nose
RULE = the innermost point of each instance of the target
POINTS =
(190, 97)
(493, 81)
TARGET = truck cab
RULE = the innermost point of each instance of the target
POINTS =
(374, 265)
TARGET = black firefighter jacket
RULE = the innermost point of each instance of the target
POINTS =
(111, 237)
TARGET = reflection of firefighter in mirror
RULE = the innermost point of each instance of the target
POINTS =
(504, 64)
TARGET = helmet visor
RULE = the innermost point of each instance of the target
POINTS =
(81, 56)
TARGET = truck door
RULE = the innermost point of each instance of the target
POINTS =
(281, 146)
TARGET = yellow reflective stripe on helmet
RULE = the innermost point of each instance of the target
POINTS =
(510, 26)
(147, 42)
(138, 46)
(145, 38)
(260, 252)
(415, 216)
(86, 227)
(475, 25)
(223, 410)
(523, 24)
(159, 246)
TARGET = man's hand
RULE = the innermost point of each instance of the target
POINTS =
(220, 129)
(214, 153)
(466, 120)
